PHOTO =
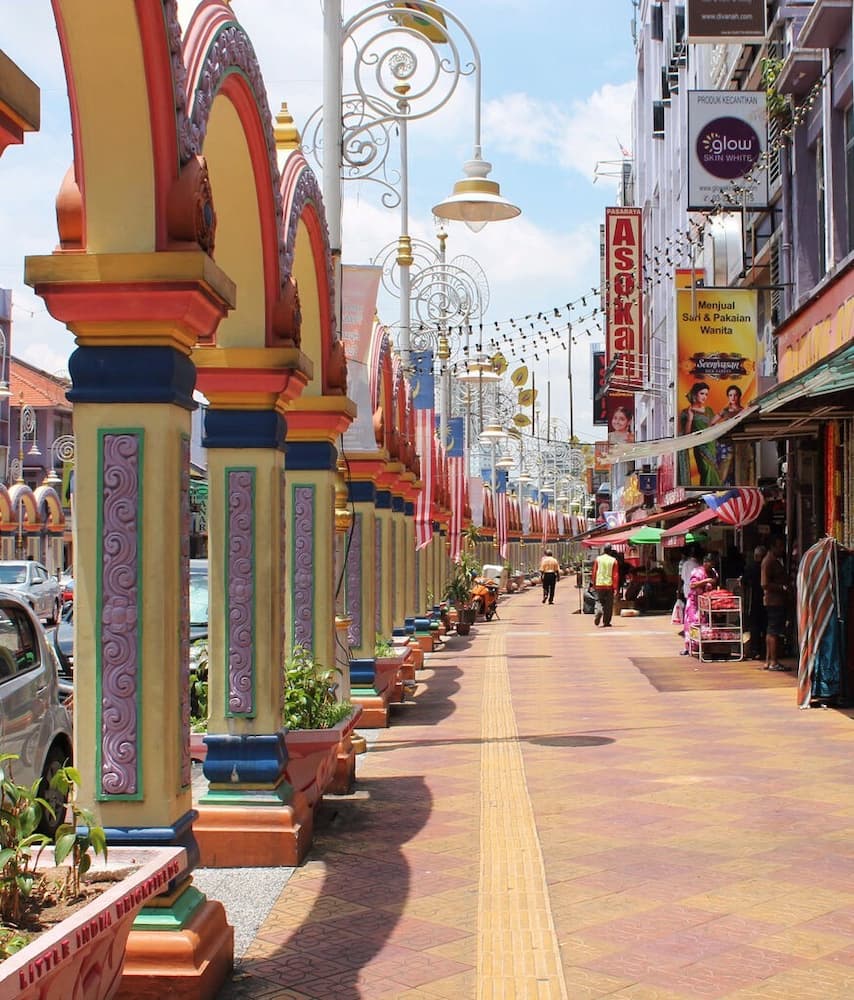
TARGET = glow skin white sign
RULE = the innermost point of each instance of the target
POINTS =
(727, 145)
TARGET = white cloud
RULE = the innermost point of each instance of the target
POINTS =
(538, 131)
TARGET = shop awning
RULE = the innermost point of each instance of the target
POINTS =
(676, 535)
(622, 534)
(667, 446)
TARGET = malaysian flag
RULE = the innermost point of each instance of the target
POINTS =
(501, 511)
(457, 485)
(738, 506)
(544, 504)
(423, 404)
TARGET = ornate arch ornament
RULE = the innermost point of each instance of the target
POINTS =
(50, 508)
(23, 499)
(220, 60)
(5, 506)
(303, 202)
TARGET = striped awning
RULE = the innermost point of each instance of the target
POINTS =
(677, 535)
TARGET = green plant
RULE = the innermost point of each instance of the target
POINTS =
(20, 843)
(777, 104)
(382, 647)
(199, 686)
(310, 693)
(82, 838)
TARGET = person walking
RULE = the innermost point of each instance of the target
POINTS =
(774, 590)
(606, 582)
(754, 599)
(703, 578)
(549, 569)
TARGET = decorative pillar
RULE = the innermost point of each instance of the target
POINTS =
(311, 460)
(386, 569)
(248, 797)
(135, 317)
(363, 584)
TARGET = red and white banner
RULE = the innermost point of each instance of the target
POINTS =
(623, 302)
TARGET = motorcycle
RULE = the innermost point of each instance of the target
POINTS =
(484, 597)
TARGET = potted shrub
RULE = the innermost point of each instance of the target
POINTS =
(65, 914)
(317, 731)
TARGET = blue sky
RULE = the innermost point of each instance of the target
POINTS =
(557, 88)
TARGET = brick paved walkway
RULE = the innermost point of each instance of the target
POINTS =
(572, 812)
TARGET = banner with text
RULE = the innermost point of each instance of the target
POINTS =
(716, 21)
(623, 311)
(716, 332)
(727, 139)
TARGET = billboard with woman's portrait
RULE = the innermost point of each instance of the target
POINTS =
(716, 376)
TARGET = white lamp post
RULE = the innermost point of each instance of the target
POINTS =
(413, 67)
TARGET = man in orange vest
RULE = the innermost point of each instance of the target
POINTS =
(606, 580)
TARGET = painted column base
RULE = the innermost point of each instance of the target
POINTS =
(416, 657)
(423, 641)
(188, 964)
(254, 836)
(375, 713)
(343, 778)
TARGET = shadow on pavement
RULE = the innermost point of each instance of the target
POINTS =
(358, 881)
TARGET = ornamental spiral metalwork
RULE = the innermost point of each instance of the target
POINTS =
(394, 60)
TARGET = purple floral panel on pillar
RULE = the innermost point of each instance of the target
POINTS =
(184, 669)
(354, 583)
(303, 584)
(240, 595)
(118, 651)
(378, 575)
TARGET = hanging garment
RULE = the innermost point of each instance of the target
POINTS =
(818, 628)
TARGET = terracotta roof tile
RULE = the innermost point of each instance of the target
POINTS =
(40, 389)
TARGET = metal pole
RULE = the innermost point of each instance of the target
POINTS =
(569, 376)
(332, 139)
(404, 244)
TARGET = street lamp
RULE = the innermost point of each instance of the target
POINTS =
(27, 431)
(413, 65)
(5, 391)
(61, 451)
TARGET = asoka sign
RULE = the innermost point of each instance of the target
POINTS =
(727, 147)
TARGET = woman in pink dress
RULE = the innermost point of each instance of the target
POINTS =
(703, 578)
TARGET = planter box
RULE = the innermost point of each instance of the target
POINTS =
(84, 955)
(312, 757)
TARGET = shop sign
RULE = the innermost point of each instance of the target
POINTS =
(624, 307)
(714, 21)
(727, 141)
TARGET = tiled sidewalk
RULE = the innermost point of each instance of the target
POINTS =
(572, 812)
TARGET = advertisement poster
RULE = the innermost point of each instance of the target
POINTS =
(715, 21)
(716, 375)
(727, 137)
(599, 396)
(359, 286)
(621, 418)
(623, 298)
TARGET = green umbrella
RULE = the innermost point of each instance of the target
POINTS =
(647, 535)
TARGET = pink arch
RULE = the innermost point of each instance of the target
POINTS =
(220, 59)
(302, 201)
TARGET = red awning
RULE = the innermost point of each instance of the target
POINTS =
(620, 535)
(676, 535)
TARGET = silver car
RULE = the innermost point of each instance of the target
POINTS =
(33, 723)
(35, 585)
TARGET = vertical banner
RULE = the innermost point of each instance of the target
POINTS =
(716, 331)
(359, 286)
(501, 513)
(600, 405)
(623, 310)
(727, 139)
(423, 403)
(455, 464)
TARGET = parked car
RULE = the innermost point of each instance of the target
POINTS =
(67, 583)
(33, 722)
(61, 638)
(35, 585)
(198, 599)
